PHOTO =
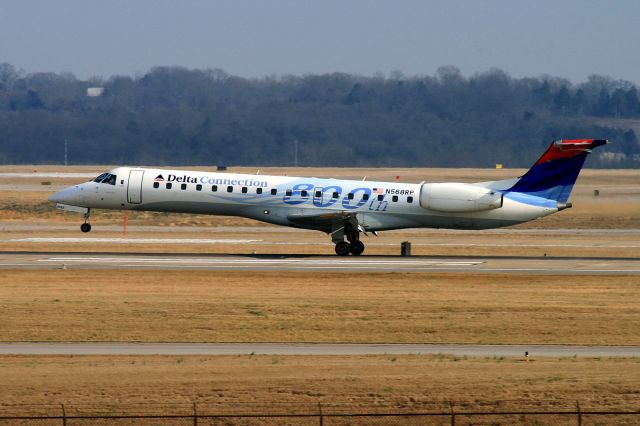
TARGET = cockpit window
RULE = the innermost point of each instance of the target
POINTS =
(107, 178)
(99, 178)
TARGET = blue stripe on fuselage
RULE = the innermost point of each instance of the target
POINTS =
(530, 199)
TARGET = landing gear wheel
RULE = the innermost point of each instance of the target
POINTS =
(357, 247)
(343, 248)
(85, 227)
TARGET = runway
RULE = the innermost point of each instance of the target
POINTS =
(107, 348)
(224, 262)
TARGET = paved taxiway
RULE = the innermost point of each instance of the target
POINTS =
(169, 261)
(106, 348)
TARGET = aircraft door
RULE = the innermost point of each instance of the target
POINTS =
(317, 196)
(134, 186)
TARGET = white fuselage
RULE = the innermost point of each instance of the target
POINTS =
(276, 199)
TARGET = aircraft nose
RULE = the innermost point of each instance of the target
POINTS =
(65, 196)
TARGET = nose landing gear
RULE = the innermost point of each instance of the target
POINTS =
(86, 226)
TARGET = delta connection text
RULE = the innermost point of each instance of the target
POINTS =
(215, 181)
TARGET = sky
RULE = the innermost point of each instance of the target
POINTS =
(563, 38)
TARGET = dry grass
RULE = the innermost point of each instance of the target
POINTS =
(351, 382)
(176, 306)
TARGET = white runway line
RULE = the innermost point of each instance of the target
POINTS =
(134, 240)
(90, 240)
(48, 175)
(603, 245)
(244, 262)
(322, 349)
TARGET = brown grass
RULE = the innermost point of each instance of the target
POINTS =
(176, 306)
(356, 382)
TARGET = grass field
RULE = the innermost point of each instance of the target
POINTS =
(353, 382)
(211, 306)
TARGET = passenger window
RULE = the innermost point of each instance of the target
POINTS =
(394, 198)
(274, 191)
(183, 186)
(350, 196)
(229, 188)
(258, 190)
(244, 189)
(380, 197)
(303, 193)
(336, 195)
(156, 184)
(409, 199)
(318, 194)
(198, 187)
(288, 193)
(214, 188)
(168, 185)
(365, 197)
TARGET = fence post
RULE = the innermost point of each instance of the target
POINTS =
(453, 415)
(320, 413)
(195, 415)
(579, 413)
(64, 416)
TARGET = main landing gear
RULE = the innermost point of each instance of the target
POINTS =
(353, 246)
(343, 248)
(86, 226)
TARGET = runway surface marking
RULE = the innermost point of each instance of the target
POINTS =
(47, 174)
(89, 240)
(108, 348)
(359, 261)
(230, 263)
(134, 240)
(258, 262)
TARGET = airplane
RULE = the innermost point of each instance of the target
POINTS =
(343, 209)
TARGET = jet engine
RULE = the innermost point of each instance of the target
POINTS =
(458, 198)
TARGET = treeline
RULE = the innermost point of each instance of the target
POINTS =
(178, 116)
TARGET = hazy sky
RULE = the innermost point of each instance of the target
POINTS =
(572, 39)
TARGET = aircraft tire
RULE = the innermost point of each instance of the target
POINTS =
(357, 248)
(85, 227)
(343, 248)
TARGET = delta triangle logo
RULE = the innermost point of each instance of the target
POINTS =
(159, 178)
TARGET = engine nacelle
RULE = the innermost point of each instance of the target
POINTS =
(458, 198)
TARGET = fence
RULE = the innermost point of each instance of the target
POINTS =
(438, 413)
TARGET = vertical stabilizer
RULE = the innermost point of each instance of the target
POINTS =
(554, 174)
